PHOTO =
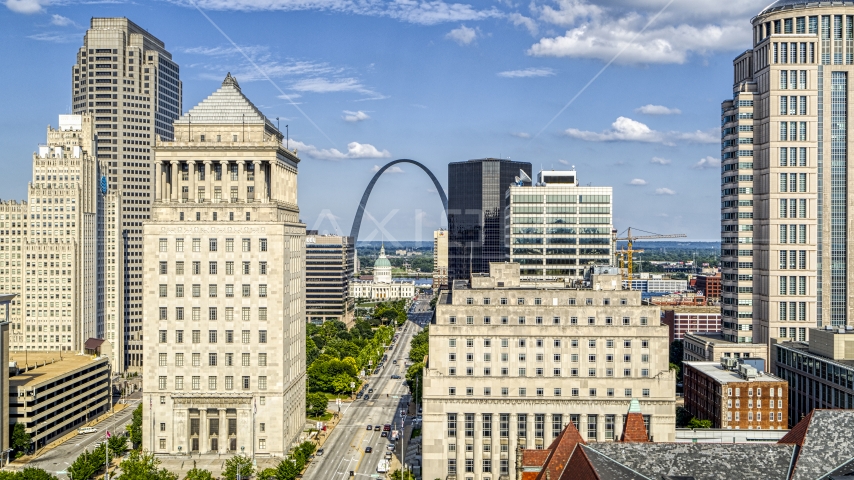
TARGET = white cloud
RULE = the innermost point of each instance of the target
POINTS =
(355, 150)
(462, 35)
(355, 117)
(391, 169)
(628, 130)
(658, 110)
(522, 135)
(54, 37)
(61, 21)
(26, 6)
(528, 72)
(637, 182)
(613, 27)
(708, 162)
(521, 20)
(324, 85)
(423, 12)
(660, 161)
(664, 191)
(563, 162)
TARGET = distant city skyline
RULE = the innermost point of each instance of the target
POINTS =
(359, 86)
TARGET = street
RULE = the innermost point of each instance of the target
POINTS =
(344, 450)
(61, 457)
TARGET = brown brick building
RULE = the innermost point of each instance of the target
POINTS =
(709, 285)
(737, 397)
(684, 319)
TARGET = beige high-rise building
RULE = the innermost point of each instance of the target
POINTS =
(224, 278)
(53, 245)
(126, 79)
(511, 363)
(785, 176)
(440, 259)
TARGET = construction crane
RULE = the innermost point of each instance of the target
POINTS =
(629, 251)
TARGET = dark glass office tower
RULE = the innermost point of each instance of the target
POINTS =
(476, 201)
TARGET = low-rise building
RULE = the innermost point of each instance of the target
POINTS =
(710, 285)
(52, 393)
(726, 435)
(820, 373)
(328, 273)
(711, 347)
(657, 284)
(820, 446)
(512, 362)
(381, 286)
(735, 395)
(684, 319)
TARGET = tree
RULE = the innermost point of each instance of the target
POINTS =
(241, 464)
(84, 466)
(401, 475)
(135, 427)
(141, 465)
(419, 347)
(683, 416)
(414, 378)
(34, 474)
(118, 445)
(268, 474)
(676, 352)
(198, 474)
(286, 470)
(697, 423)
(20, 439)
(315, 404)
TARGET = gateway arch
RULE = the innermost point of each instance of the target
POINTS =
(357, 221)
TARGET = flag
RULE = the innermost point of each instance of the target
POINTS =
(108, 434)
(256, 406)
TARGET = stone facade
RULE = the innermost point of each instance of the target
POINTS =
(440, 259)
(512, 363)
(224, 288)
(328, 273)
(382, 287)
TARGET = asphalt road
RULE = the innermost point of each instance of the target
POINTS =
(58, 459)
(344, 451)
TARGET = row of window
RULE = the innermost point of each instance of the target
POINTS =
(795, 333)
(213, 360)
(792, 207)
(789, 105)
(244, 383)
(793, 259)
(793, 234)
(793, 285)
(213, 244)
(556, 372)
(794, 52)
(556, 357)
(539, 301)
(540, 343)
(793, 182)
(556, 392)
(793, 131)
(213, 290)
(196, 336)
(793, 311)
(793, 156)
(213, 313)
(521, 320)
(213, 268)
(789, 79)
(758, 416)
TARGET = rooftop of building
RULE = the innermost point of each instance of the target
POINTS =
(692, 309)
(798, 4)
(229, 106)
(819, 446)
(724, 376)
(718, 339)
(42, 367)
(804, 347)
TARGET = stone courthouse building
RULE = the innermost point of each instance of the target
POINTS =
(512, 363)
(224, 365)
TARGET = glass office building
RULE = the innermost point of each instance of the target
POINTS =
(476, 203)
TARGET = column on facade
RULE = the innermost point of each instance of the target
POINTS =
(223, 165)
(208, 185)
(204, 443)
(600, 426)
(275, 181)
(582, 426)
(164, 181)
(241, 180)
(193, 195)
(512, 445)
(618, 427)
(173, 183)
(259, 181)
(223, 431)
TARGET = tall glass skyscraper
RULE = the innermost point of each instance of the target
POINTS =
(784, 189)
(476, 201)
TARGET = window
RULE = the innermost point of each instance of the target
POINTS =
(163, 268)
(229, 244)
(161, 382)
(262, 382)
(245, 382)
(162, 359)
(212, 291)
(262, 359)
(179, 291)
(246, 290)
(244, 336)
(246, 244)
(212, 268)
(164, 315)
(262, 336)
(262, 267)
(197, 244)
(246, 268)
(263, 244)
(179, 336)
(262, 290)
(163, 244)
(179, 268)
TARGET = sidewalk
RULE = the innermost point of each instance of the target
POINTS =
(20, 462)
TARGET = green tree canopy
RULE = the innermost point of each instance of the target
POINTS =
(419, 347)
(20, 438)
(141, 465)
(135, 427)
(198, 474)
(30, 473)
(241, 464)
(316, 404)
(697, 423)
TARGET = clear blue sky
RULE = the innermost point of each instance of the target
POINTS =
(370, 81)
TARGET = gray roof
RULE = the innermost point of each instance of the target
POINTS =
(227, 106)
(609, 469)
(781, 4)
(702, 461)
(828, 444)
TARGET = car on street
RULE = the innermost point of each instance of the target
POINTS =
(371, 390)
(390, 446)
(366, 397)
(319, 452)
(388, 454)
(387, 427)
(369, 449)
(384, 434)
(378, 428)
(84, 430)
(370, 427)
(395, 377)
(394, 362)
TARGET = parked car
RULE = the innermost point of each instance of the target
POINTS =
(390, 446)
(84, 430)
(319, 452)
